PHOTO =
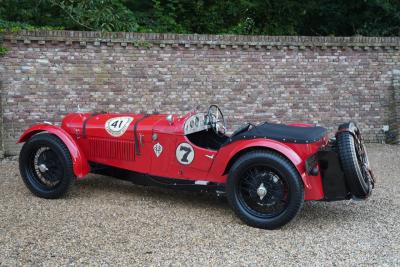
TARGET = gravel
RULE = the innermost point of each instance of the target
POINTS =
(112, 222)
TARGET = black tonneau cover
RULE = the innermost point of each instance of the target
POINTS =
(283, 133)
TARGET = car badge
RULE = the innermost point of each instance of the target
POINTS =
(157, 149)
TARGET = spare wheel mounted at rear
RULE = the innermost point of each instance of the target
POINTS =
(354, 160)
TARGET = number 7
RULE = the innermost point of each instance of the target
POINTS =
(186, 154)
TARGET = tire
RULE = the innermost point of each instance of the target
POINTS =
(354, 160)
(283, 183)
(46, 167)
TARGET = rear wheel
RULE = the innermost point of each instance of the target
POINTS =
(264, 189)
(354, 160)
(45, 166)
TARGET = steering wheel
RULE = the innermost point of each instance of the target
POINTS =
(216, 120)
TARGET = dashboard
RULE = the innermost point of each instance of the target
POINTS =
(195, 123)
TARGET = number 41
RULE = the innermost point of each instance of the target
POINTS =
(115, 124)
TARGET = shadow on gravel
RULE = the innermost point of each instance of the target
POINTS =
(329, 212)
(97, 185)
(314, 213)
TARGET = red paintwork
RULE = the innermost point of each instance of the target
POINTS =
(80, 163)
(210, 165)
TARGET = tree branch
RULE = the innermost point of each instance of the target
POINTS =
(71, 16)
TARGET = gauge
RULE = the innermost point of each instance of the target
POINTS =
(197, 121)
(191, 124)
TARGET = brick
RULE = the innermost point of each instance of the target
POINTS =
(296, 79)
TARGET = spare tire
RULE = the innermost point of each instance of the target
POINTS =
(354, 160)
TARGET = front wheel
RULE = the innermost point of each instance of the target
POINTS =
(45, 166)
(264, 189)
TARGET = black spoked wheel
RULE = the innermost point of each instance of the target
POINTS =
(263, 192)
(46, 166)
(264, 189)
(363, 161)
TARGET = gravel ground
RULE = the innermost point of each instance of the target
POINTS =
(107, 221)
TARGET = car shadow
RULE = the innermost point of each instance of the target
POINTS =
(314, 214)
(98, 184)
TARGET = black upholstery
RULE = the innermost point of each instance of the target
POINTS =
(241, 129)
(207, 139)
(282, 132)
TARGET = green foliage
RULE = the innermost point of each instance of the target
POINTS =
(142, 43)
(163, 18)
(3, 51)
(9, 26)
(101, 15)
(104, 15)
(359, 17)
(270, 17)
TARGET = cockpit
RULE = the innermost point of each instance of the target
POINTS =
(208, 129)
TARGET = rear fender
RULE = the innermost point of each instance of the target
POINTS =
(231, 152)
(350, 127)
(79, 161)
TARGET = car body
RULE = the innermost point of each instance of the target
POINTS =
(193, 152)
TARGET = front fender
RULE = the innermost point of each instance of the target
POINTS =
(80, 164)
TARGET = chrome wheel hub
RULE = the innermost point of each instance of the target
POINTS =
(43, 168)
(261, 191)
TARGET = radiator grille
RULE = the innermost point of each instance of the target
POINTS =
(111, 149)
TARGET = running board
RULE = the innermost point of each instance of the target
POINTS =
(149, 180)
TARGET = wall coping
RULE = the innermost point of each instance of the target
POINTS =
(162, 39)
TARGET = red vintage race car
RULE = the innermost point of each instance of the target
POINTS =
(267, 171)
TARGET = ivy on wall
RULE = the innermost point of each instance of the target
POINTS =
(3, 50)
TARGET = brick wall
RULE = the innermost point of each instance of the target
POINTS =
(324, 80)
(394, 117)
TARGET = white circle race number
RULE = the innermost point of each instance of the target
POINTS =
(118, 125)
(185, 153)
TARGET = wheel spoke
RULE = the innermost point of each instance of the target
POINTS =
(263, 192)
(46, 167)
